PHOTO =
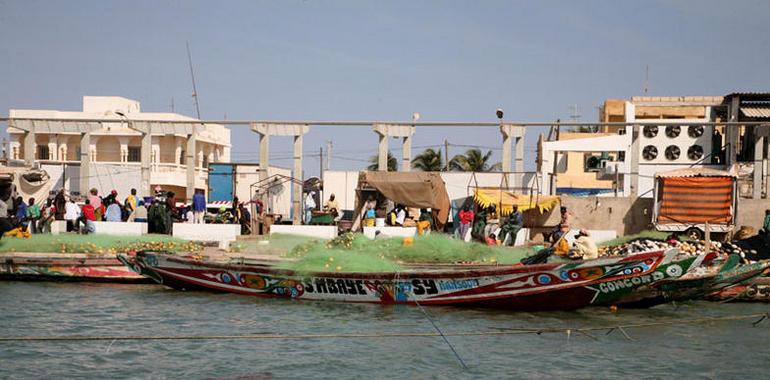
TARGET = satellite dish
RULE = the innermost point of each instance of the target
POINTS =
(650, 152)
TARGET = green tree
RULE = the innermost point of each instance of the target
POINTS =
(428, 161)
(473, 161)
(374, 163)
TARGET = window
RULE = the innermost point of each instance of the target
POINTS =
(43, 152)
(134, 154)
(181, 157)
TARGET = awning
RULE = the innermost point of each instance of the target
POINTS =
(412, 189)
(758, 112)
(504, 200)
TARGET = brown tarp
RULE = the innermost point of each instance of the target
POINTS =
(412, 189)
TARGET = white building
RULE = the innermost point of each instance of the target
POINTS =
(114, 149)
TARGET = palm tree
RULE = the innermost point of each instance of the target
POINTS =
(473, 161)
(428, 161)
(375, 163)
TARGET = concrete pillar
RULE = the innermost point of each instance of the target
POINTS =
(146, 157)
(123, 149)
(85, 161)
(759, 146)
(155, 156)
(519, 156)
(296, 187)
(506, 153)
(634, 161)
(178, 150)
(63, 152)
(510, 134)
(264, 155)
(732, 132)
(53, 151)
(406, 163)
(15, 148)
(191, 163)
(382, 153)
(30, 146)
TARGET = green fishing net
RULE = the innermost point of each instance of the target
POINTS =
(95, 243)
(356, 253)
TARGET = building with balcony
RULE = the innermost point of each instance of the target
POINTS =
(114, 146)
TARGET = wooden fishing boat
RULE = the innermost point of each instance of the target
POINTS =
(552, 286)
(66, 267)
(702, 278)
(756, 289)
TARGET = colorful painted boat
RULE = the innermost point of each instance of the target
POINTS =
(66, 267)
(756, 289)
(553, 286)
(701, 278)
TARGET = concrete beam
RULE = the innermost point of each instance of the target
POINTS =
(85, 161)
(190, 163)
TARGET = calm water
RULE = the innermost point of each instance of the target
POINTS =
(732, 349)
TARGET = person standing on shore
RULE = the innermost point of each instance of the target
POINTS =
(466, 218)
(33, 215)
(130, 206)
(71, 215)
(59, 203)
(198, 206)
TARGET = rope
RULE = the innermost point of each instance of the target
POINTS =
(504, 331)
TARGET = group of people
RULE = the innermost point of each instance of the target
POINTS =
(331, 206)
(20, 218)
(487, 226)
(23, 218)
(97, 208)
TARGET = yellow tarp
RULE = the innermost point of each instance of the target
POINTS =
(504, 200)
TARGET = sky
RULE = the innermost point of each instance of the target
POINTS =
(378, 60)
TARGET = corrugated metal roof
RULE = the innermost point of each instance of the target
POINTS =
(763, 112)
(696, 172)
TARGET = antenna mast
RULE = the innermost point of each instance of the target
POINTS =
(646, 78)
(192, 75)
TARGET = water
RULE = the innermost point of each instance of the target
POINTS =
(728, 349)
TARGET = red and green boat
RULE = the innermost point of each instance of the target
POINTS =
(553, 286)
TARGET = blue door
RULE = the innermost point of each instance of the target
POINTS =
(221, 182)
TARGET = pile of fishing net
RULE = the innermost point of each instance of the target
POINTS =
(96, 243)
(356, 253)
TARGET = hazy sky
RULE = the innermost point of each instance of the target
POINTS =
(345, 60)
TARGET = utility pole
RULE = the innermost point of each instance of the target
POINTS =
(328, 154)
(192, 76)
(446, 155)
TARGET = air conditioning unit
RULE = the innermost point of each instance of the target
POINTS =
(592, 163)
(675, 141)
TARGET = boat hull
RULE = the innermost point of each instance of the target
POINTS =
(66, 267)
(555, 286)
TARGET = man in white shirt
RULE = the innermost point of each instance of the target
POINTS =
(71, 214)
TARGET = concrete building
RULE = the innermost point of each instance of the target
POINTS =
(55, 140)
(602, 162)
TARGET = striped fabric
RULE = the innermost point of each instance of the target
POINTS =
(696, 200)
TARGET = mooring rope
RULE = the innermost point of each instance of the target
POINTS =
(502, 331)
